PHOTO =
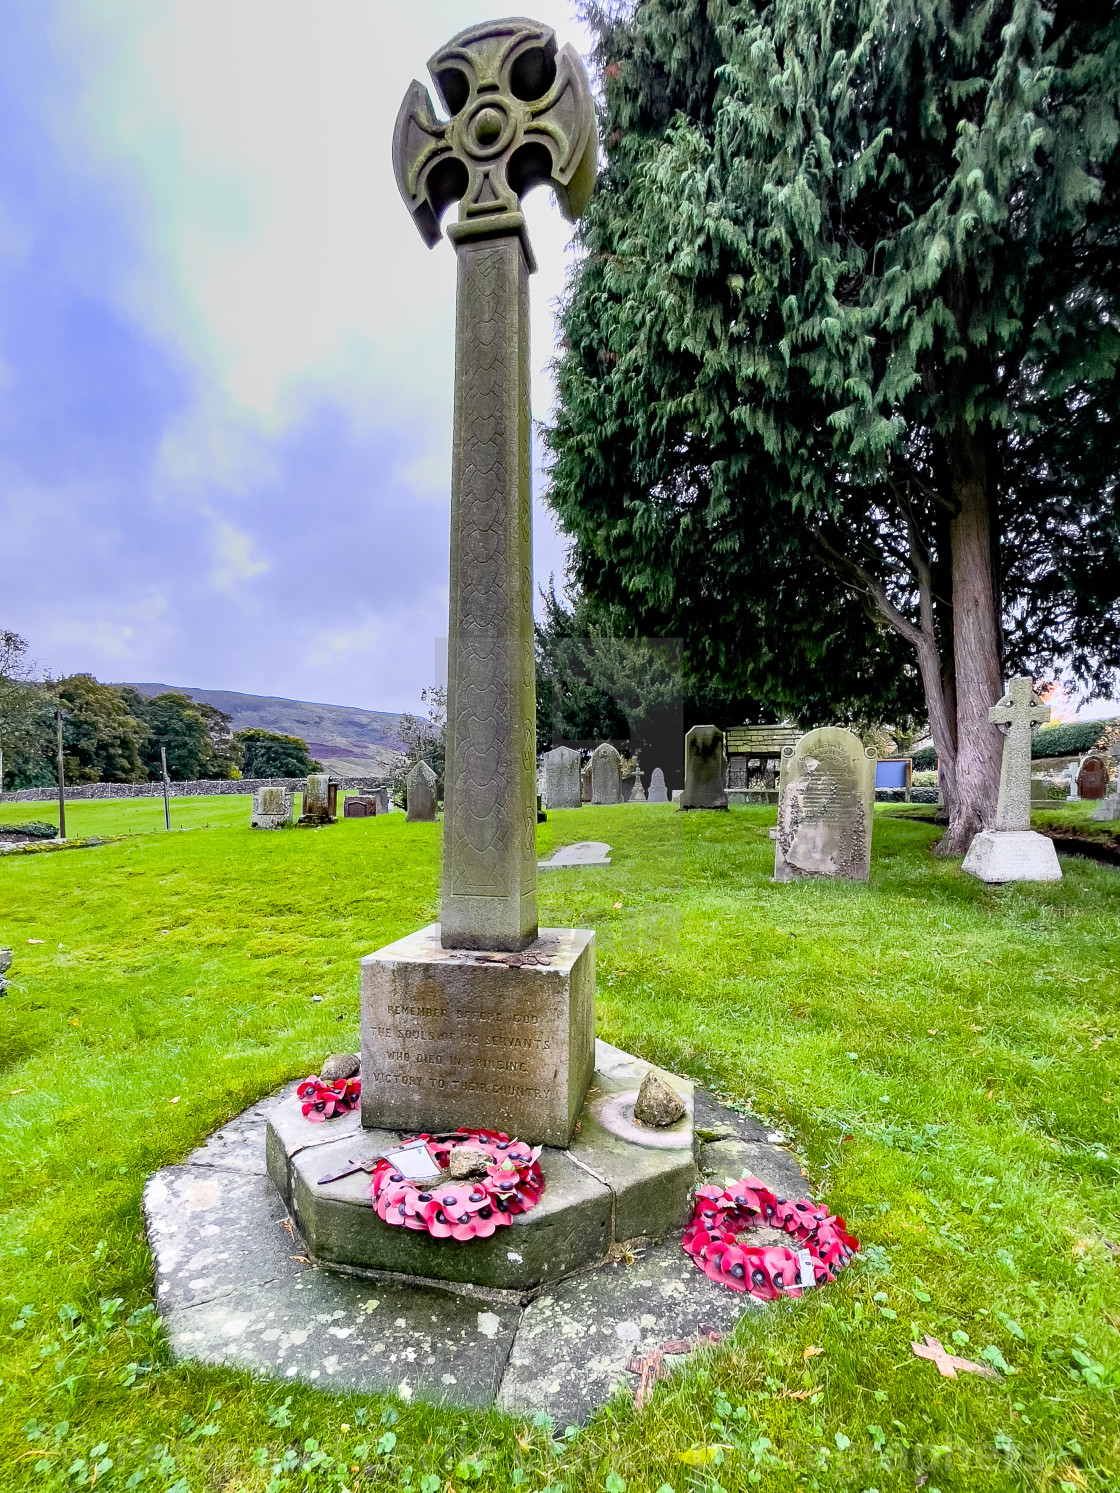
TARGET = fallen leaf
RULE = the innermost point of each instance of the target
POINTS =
(175, 1100)
(74, 1021)
(618, 904)
(810, 1352)
(796, 1394)
(931, 1031)
(288, 1226)
(13, 1093)
(948, 1363)
(34, 940)
(303, 1260)
(699, 1456)
(677, 1345)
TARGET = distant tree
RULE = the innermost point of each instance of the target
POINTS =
(174, 723)
(222, 756)
(26, 718)
(265, 754)
(102, 740)
(838, 387)
(424, 741)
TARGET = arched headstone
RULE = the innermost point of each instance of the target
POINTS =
(826, 807)
(420, 789)
(705, 769)
(561, 779)
(1092, 780)
(606, 775)
(658, 793)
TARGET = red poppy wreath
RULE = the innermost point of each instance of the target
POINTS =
(721, 1216)
(322, 1101)
(511, 1182)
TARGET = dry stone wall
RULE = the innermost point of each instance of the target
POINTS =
(201, 788)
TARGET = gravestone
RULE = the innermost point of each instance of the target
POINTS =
(272, 808)
(1109, 806)
(826, 807)
(383, 799)
(420, 790)
(585, 853)
(359, 806)
(1071, 774)
(320, 800)
(561, 779)
(606, 775)
(1013, 851)
(637, 793)
(1092, 780)
(658, 793)
(585, 784)
(459, 1025)
(705, 769)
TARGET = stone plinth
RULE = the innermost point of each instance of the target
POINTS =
(454, 1037)
(704, 769)
(1012, 855)
(616, 1181)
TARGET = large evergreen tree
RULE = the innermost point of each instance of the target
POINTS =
(849, 318)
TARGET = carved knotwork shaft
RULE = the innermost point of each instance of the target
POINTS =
(490, 806)
(520, 115)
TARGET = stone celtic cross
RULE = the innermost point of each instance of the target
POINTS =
(1019, 711)
(521, 115)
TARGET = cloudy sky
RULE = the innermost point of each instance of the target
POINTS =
(225, 353)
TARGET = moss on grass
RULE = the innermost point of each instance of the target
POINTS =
(943, 1055)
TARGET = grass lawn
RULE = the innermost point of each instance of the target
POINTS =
(943, 1055)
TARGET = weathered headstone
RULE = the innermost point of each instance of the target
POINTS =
(658, 793)
(1092, 780)
(826, 807)
(637, 793)
(1013, 851)
(561, 779)
(320, 800)
(705, 769)
(458, 1026)
(1071, 774)
(606, 775)
(585, 784)
(1109, 806)
(420, 789)
(272, 807)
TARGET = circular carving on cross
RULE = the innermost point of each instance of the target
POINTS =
(521, 115)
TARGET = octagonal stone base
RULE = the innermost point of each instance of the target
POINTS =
(617, 1181)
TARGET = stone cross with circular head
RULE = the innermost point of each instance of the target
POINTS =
(520, 115)
(1018, 712)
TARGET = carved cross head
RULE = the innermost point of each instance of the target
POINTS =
(1019, 707)
(521, 115)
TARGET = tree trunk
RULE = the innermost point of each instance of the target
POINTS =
(976, 645)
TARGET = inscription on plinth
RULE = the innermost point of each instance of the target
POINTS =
(454, 1038)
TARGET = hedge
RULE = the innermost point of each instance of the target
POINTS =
(1067, 740)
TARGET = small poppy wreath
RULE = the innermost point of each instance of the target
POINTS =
(322, 1101)
(472, 1209)
(767, 1272)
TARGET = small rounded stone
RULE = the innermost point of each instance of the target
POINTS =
(339, 1065)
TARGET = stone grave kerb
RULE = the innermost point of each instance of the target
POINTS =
(521, 115)
(1017, 713)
